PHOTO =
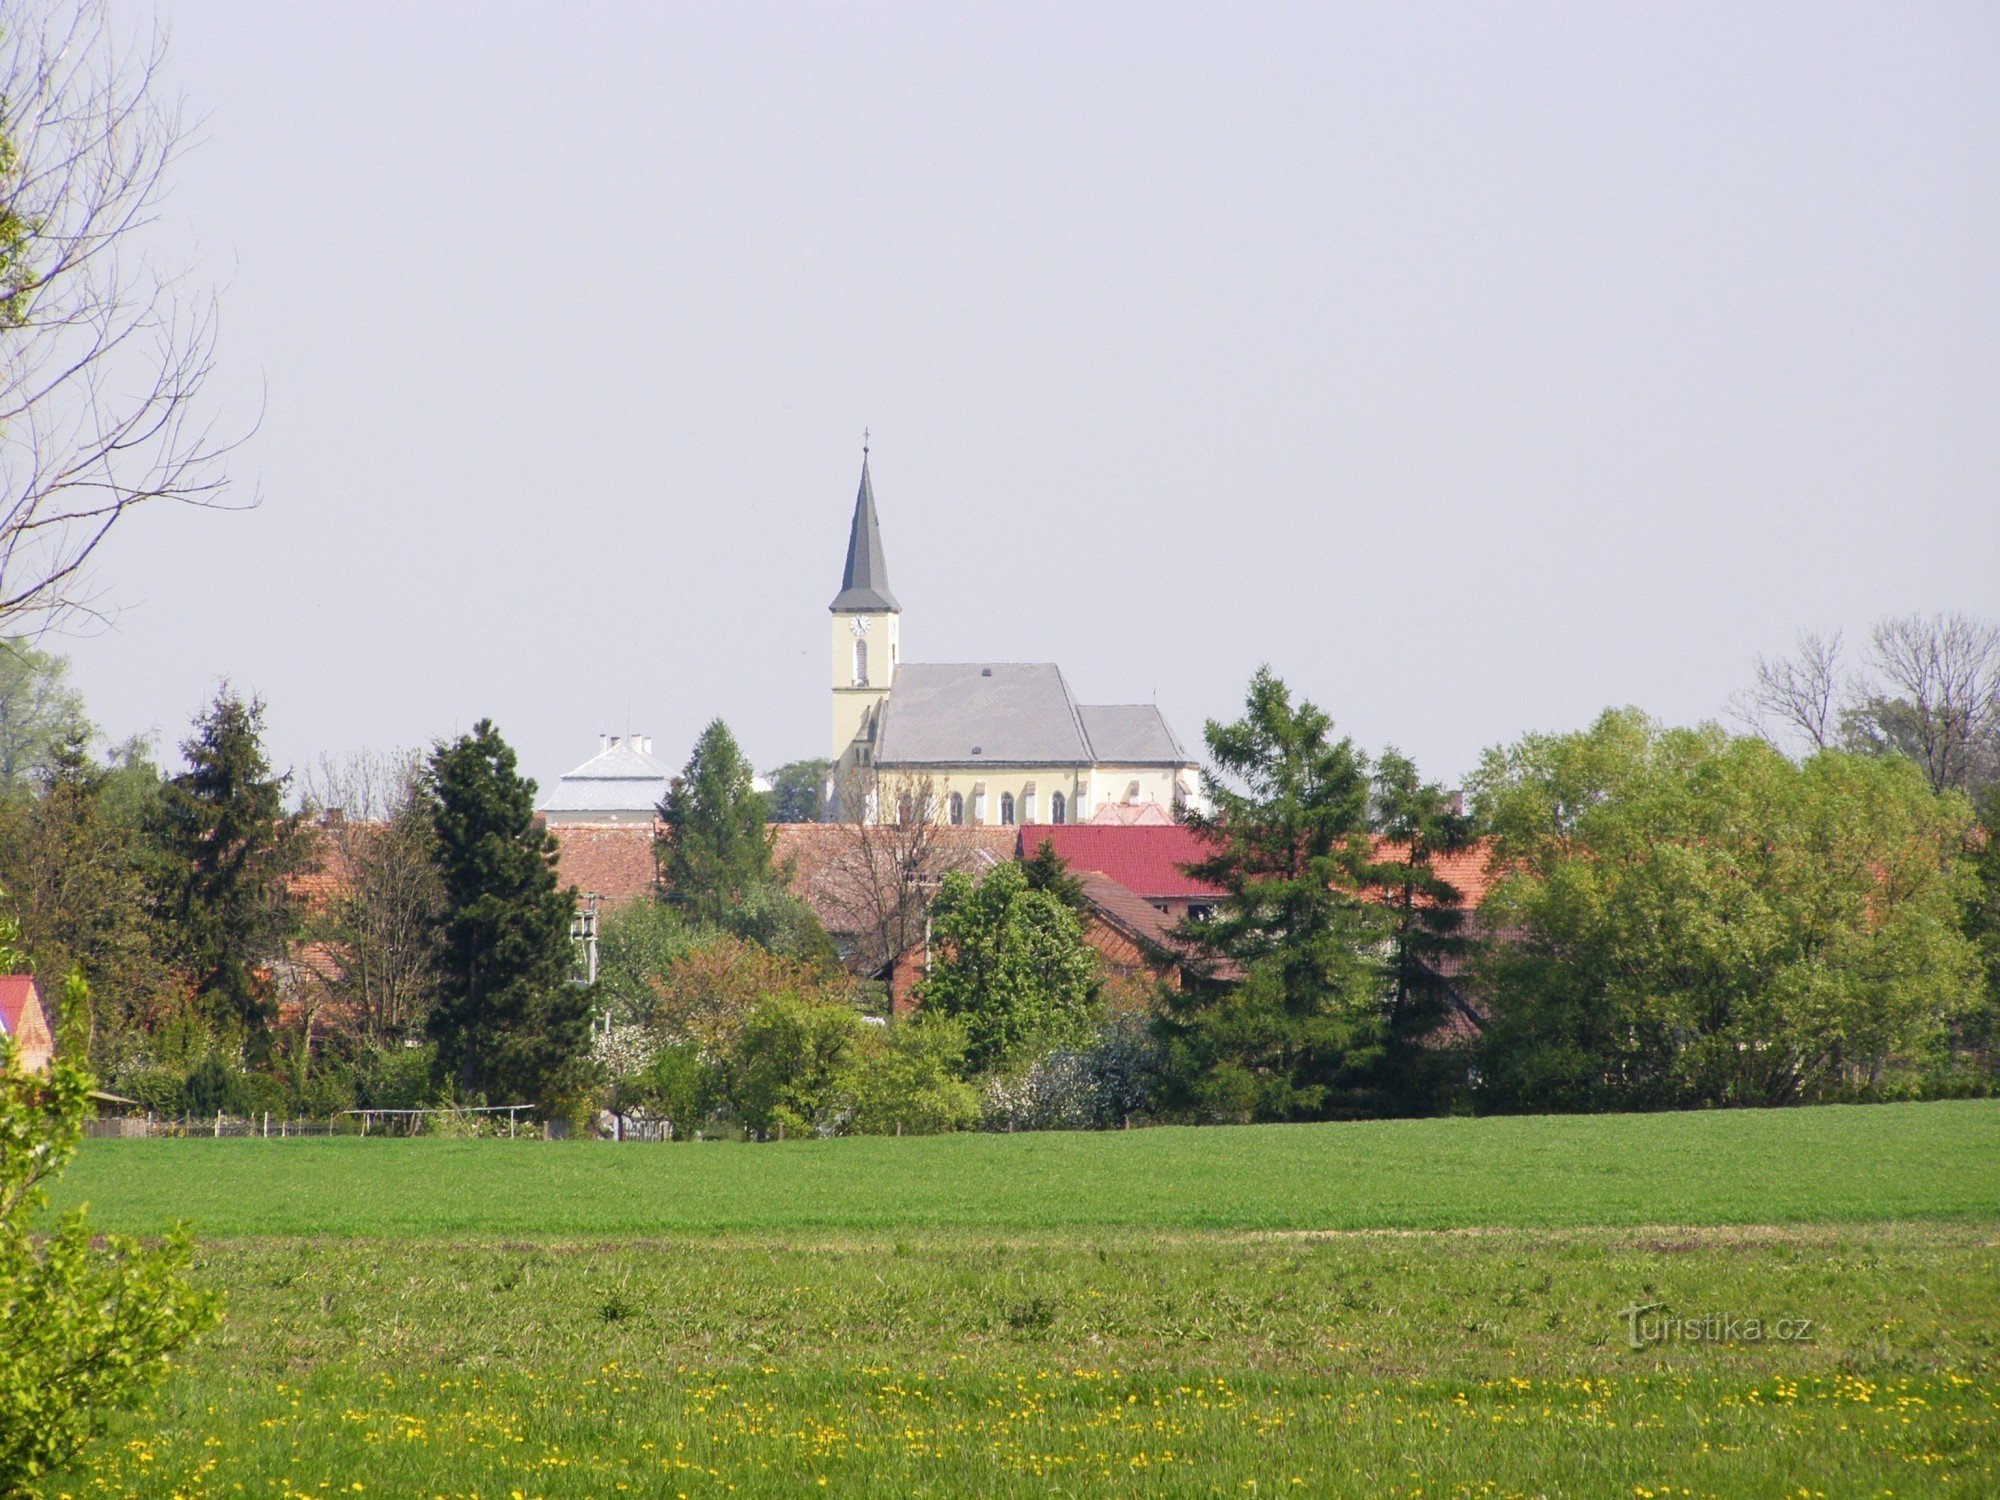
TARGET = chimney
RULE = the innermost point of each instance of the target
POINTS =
(603, 743)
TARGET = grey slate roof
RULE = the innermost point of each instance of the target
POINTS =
(1010, 713)
(616, 779)
(865, 583)
(1131, 734)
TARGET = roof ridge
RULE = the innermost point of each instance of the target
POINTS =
(1076, 715)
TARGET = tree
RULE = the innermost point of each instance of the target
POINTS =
(706, 993)
(1936, 698)
(1929, 690)
(379, 933)
(1694, 919)
(1800, 694)
(715, 846)
(103, 354)
(879, 882)
(1979, 1031)
(795, 1064)
(1280, 1017)
(911, 1082)
(87, 1322)
(508, 1022)
(72, 859)
(1011, 964)
(227, 852)
(1416, 822)
(798, 791)
(1046, 870)
(39, 711)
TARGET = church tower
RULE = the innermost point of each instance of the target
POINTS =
(865, 634)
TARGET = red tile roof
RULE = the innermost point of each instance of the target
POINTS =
(16, 990)
(1147, 859)
(1143, 858)
(612, 861)
(24, 1023)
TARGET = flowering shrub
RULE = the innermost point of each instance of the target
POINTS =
(1094, 1087)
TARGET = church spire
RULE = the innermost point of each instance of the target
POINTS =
(865, 583)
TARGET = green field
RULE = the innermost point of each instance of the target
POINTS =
(1849, 1164)
(1427, 1309)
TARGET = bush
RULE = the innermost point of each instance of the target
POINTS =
(677, 1084)
(85, 1327)
(397, 1078)
(1096, 1087)
(213, 1087)
(795, 1066)
(910, 1081)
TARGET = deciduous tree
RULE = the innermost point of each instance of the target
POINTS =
(1694, 919)
(87, 1322)
(1011, 964)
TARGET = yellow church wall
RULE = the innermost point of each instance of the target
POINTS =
(852, 703)
(1084, 790)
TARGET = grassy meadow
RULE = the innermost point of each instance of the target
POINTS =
(1852, 1164)
(1430, 1309)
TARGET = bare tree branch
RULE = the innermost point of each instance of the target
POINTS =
(104, 355)
(1938, 700)
(1799, 694)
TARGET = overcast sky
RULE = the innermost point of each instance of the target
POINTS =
(1476, 367)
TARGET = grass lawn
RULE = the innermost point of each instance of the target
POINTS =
(1226, 1312)
(1829, 1165)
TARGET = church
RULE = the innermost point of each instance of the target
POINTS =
(978, 743)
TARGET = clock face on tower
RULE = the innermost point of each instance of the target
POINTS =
(859, 625)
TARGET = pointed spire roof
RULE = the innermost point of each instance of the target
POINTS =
(865, 584)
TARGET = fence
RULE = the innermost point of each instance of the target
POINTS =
(357, 1122)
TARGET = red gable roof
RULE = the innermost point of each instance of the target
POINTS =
(1146, 860)
(1143, 859)
(16, 990)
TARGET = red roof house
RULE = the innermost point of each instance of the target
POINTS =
(25, 1024)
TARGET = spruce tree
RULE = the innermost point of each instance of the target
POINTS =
(716, 847)
(1048, 871)
(1279, 1019)
(508, 1022)
(226, 850)
(1417, 822)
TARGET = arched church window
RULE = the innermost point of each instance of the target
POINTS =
(957, 806)
(861, 664)
(1006, 809)
(1056, 807)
